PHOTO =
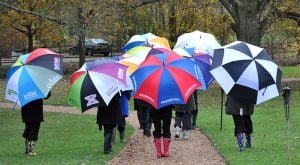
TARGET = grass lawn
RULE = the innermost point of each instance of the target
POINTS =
(63, 139)
(270, 138)
(75, 139)
(290, 71)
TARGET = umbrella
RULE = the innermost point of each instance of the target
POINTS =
(33, 75)
(203, 42)
(138, 40)
(132, 63)
(96, 82)
(204, 62)
(160, 42)
(246, 71)
(165, 79)
(143, 51)
(135, 56)
(147, 39)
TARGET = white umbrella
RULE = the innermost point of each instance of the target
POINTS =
(203, 42)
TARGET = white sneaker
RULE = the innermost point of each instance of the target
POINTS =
(185, 134)
(177, 132)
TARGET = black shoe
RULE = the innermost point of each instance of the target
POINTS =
(141, 126)
(193, 126)
(147, 133)
(107, 143)
(107, 151)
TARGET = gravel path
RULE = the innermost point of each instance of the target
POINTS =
(140, 149)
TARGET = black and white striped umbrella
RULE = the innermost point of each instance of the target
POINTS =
(246, 71)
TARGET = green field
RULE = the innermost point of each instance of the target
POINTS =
(76, 140)
(63, 139)
(270, 138)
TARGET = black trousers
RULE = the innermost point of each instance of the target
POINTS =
(145, 117)
(121, 125)
(162, 122)
(31, 131)
(108, 128)
(139, 116)
(243, 124)
(183, 120)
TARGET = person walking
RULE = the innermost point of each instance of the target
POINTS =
(145, 117)
(108, 117)
(125, 96)
(183, 114)
(195, 112)
(139, 114)
(162, 122)
(241, 112)
(32, 116)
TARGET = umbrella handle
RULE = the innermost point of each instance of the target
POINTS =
(15, 105)
(118, 88)
(221, 119)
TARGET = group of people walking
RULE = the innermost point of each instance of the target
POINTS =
(185, 120)
(161, 119)
(112, 117)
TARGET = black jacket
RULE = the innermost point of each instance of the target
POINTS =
(33, 111)
(110, 114)
(235, 106)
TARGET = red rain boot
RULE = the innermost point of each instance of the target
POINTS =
(166, 146)
(158, 147)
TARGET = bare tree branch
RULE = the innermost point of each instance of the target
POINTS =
(58, 21)
(142, 3)
(292, 15)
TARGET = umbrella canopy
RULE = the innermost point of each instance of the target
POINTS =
(203, 42)
(247, 72)
(147, 39)
(143, 51)
(96, 83)
(33, 76)
(165, 79)
(204, 62)
(138, 40)
(132, 63)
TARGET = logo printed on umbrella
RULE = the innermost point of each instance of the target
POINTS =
(91, 100)
(12, 92)
(189, 91)
(169, 100)
(56, 63)
(74, 102)
(111, 90)
(52, 81)
(147, 97)
(121, 73)
(30, 95)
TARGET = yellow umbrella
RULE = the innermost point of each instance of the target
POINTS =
(143, 51)
(160, 42)
(132, 63)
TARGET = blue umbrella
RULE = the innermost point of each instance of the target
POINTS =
(204, 62)
(165, 79)
(33, 75)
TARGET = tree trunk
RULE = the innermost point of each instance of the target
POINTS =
(172, 23)
(30, 39)
(81, 37)
(30, 42)
(81, 42)
(247, 25)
